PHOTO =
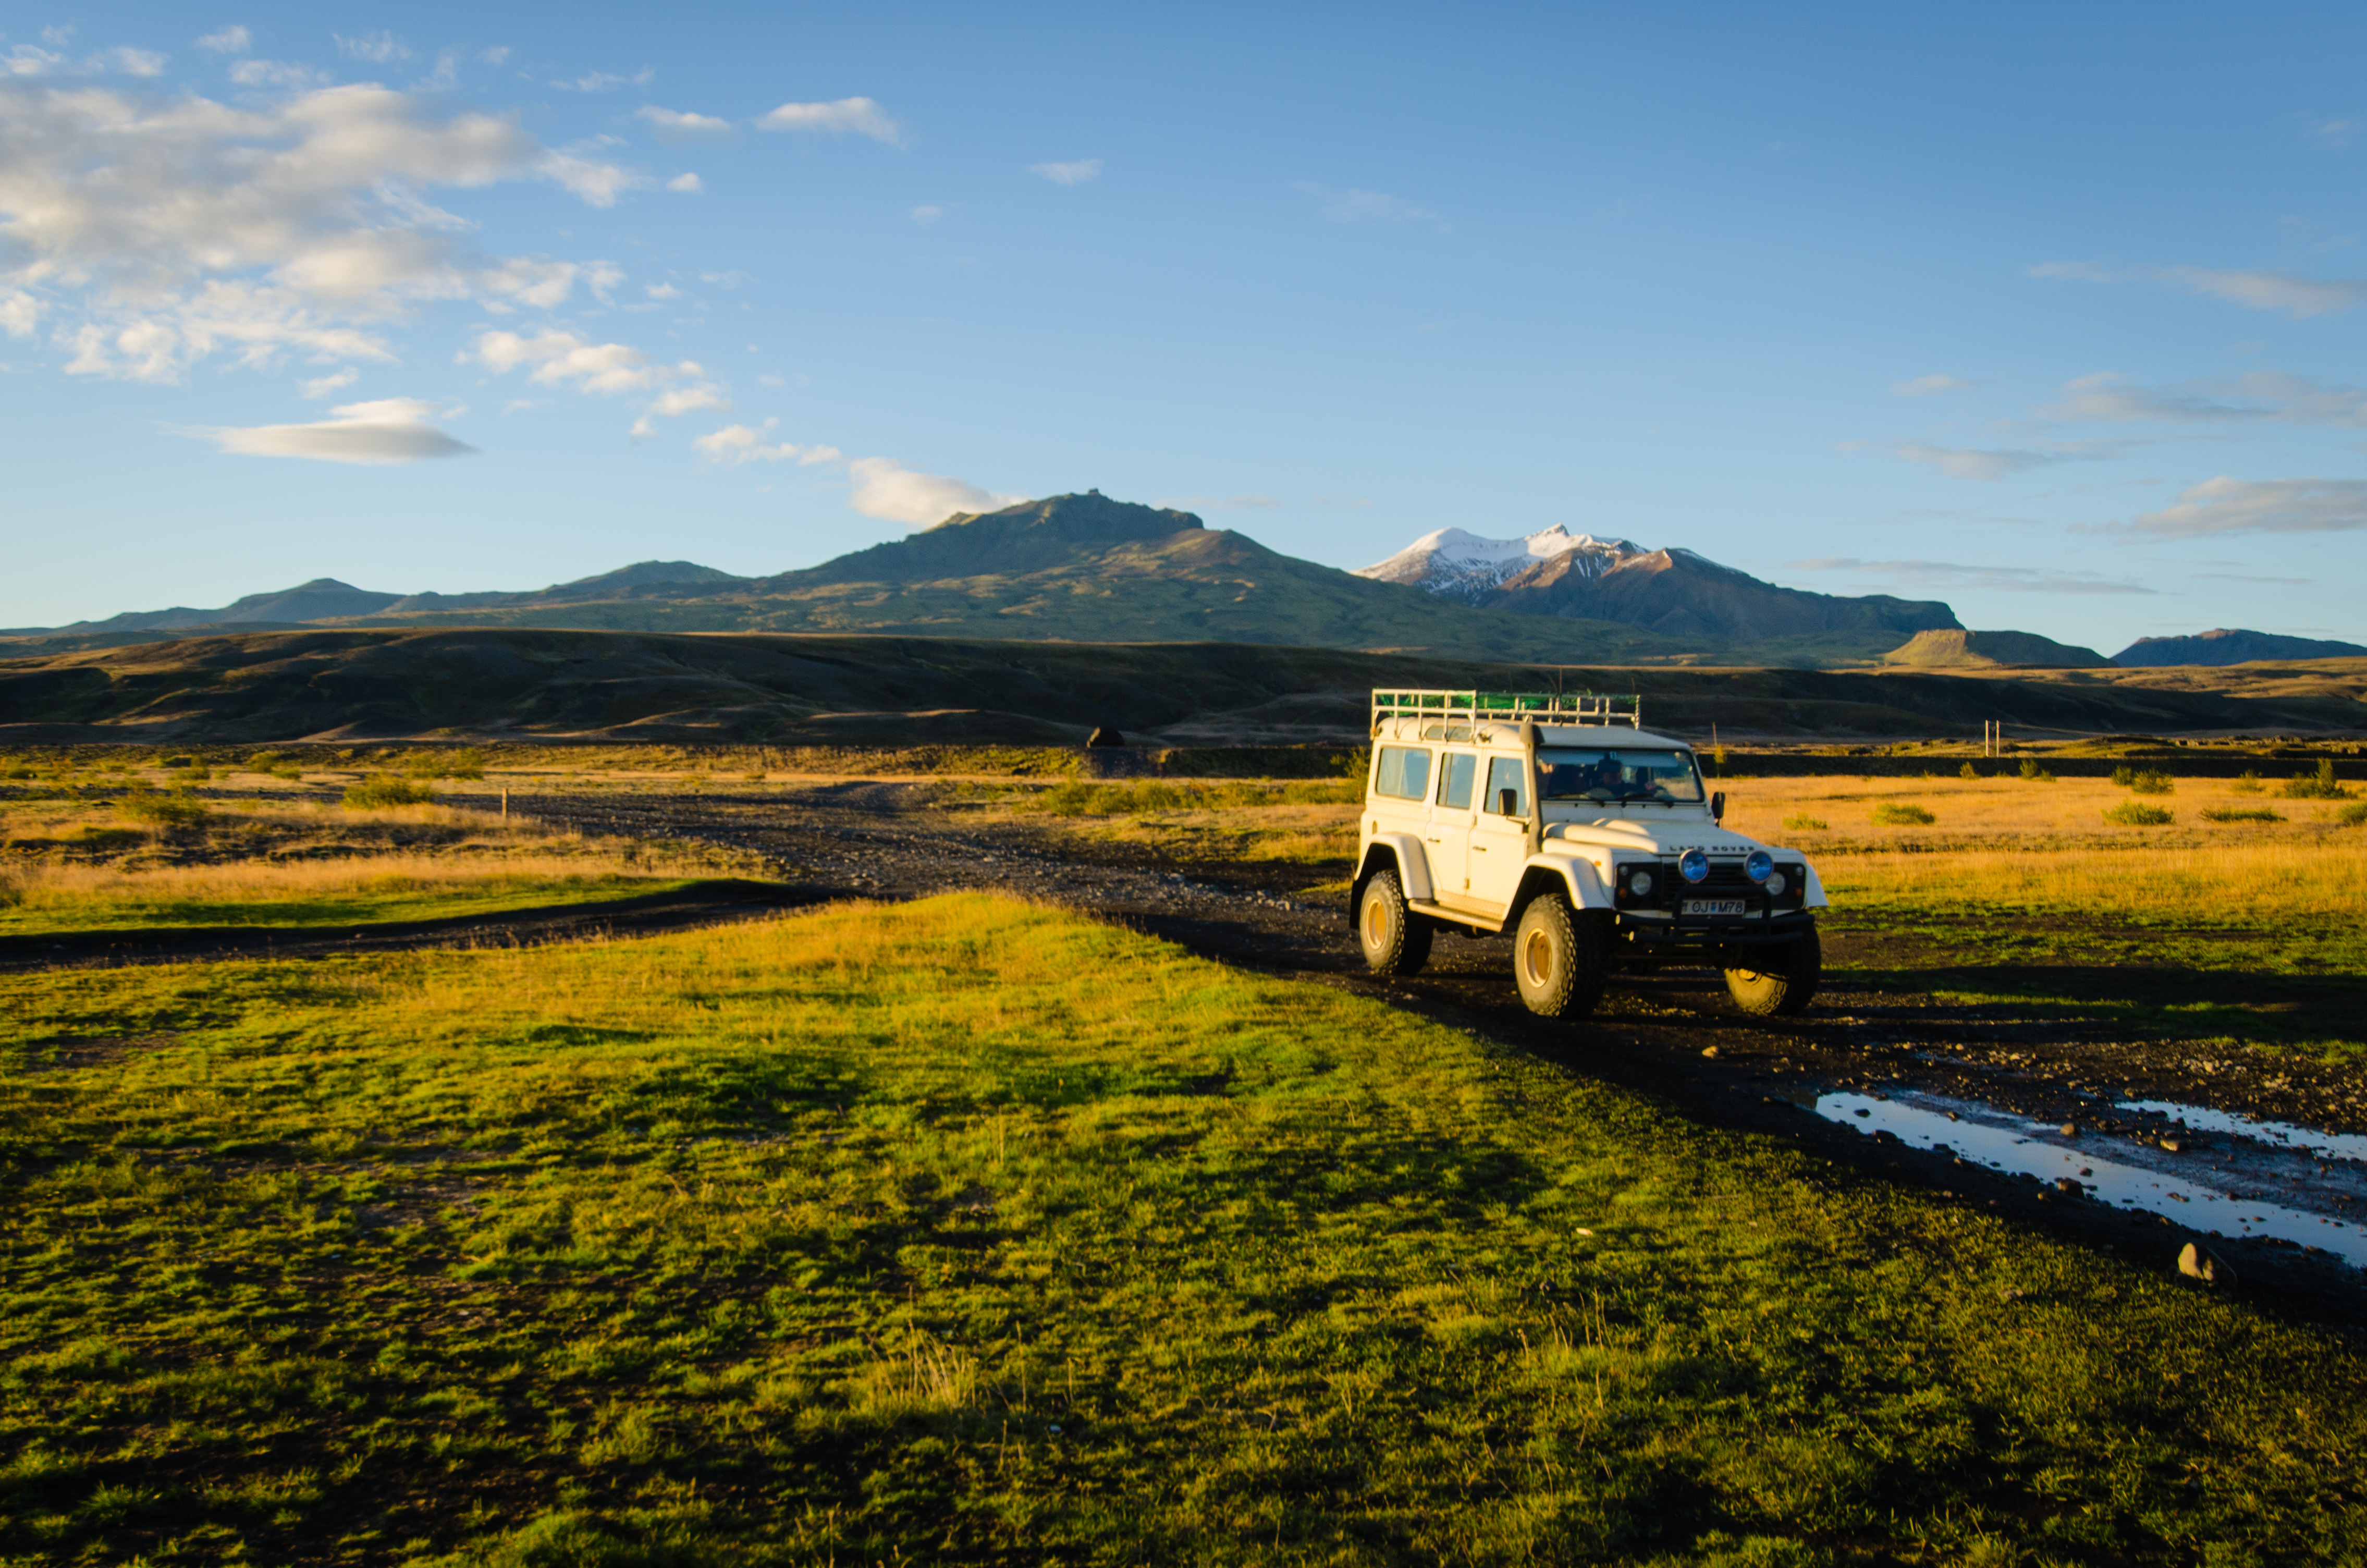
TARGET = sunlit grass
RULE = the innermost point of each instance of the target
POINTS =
(967, 1232)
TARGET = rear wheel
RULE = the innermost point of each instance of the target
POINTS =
(1559, 959)
(1788, 982)
(1396, 940)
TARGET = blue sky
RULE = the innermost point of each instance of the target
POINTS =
(2051, 314)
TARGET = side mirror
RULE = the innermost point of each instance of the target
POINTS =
(1717, 806)
(1508, 803)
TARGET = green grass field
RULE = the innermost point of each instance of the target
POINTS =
(969, 1231)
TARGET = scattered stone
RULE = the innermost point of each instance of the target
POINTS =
(2070, 1129)
(2172, 1146)
(1709, 1051)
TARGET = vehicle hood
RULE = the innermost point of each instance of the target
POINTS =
(1645, 836)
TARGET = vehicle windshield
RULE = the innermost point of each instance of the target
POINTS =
(1566, 773)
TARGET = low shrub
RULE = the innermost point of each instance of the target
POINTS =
(1806, 824)
(2137, 814)
(2035, 774)
(2148, 782)
(161, 810)
(2354, 814)
(385, 790)
(2319, 786)
(1902, 813)
(2246, 783)
(1968, 771)
(2240, 813)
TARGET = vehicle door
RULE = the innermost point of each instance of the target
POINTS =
(1451, 815)
(1500, 840)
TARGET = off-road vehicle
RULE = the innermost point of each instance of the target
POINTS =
(1561, 819)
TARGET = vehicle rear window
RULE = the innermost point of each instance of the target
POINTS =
(1456, 774)
(1404, 773)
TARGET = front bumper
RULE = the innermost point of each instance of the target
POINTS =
(1668, 935)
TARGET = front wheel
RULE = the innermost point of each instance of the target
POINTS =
(1396, 940)
(1787, 984)
(1559, 959)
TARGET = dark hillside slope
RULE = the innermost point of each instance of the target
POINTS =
(2228, 646)
(1678, 594)
(325, 685)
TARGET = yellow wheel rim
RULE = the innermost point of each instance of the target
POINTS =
(1536, 960)
(1376, 923)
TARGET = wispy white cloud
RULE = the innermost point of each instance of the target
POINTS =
(1987, 464)
(926, 215)
(234, 39)
(1366, 207)
(2224, 505)
(284, 74)
(1925, 576)
(1083, 171)
(130, 62)
(324, 386)
(2330, 133)
(388, 430)
(687, 185)
(861, 116)
(607, 81)
(2261, 395)
(1934, 386)
(678, 400)
(556, 359)
(1219, 503)
(737, 443)
(681, 125)
(378, 48)
(662, 291)
(2287, 292)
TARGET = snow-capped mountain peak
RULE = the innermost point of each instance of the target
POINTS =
(1460, 565)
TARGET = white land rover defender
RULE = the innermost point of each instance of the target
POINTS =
(1562, 820)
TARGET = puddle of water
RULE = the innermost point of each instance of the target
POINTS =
(1984, 1136)
(2308, 1140)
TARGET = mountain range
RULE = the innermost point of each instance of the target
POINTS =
(2227, 646)
(1089, 569)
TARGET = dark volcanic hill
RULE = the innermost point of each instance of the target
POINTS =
(2225, 646)
(1688, 597)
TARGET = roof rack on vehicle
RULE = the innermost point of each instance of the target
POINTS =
(1545, 707)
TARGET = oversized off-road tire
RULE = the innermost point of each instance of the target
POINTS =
(1788, 982)
(1559, 959)
(1396, 940)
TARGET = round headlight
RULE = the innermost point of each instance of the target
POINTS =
(1760, 865)
(1640, 883)
(1693, 866)
(1775, 882)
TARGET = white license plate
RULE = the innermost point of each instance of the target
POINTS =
(1713, 907)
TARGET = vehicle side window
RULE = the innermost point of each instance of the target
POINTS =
(1457, 773)
(1404, 773)
(1508, 773)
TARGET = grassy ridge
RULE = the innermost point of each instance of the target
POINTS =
(963, 1231)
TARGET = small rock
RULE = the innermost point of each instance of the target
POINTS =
(1954, 1117)
(1709, 1051)
(2172, 1146)
(2070, 1129)
(2199, 1263)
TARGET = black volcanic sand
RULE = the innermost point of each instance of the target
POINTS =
(1673, 1036)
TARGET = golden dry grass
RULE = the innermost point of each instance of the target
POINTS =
(2016, 843)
